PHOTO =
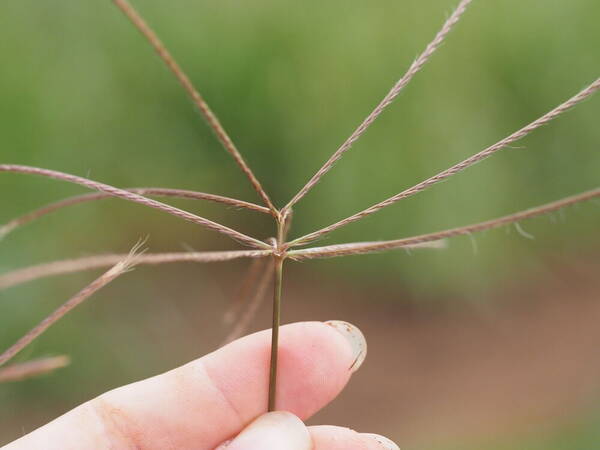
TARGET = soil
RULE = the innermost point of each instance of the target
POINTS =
(524, 359)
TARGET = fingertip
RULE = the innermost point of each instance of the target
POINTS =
(278, 430)
(384, 442)
(316, 361)
(327, 437)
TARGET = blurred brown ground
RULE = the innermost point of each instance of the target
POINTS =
(524, 359)
(448, 374)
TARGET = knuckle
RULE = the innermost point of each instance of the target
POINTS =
(116, 426)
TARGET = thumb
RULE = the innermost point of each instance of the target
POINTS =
(277, 430)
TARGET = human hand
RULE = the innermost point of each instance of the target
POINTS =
(217, 401)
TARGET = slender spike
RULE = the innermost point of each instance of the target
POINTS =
(242, 322)
(257, 267)
(136, 198)
(33, 368)
(585, 93)
(415, 67)
(209, 115)
(118, 269)
(356, 248)
(158, 192)
(76, 265)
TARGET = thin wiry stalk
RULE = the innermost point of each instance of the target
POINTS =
(356, 248)
(118, 269)
(585, 93)
(209, 116)
(278, 243)
(272, 400)
(242, 322)
(33, 368)
(388, 99)
(257, 267)
(158, 192)
(121, 193)
(67, 266)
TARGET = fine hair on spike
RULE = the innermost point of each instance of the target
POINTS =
(50, 208)
(415, 67)
(118, 269)
(209, 116)
(136, 198)
(86, 263)
(585, 93)
(522, 232)
(372, 247)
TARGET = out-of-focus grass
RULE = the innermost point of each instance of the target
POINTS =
(83, 93)
(583, 434)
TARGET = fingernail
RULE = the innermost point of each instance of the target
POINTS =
(382, 440)
(355, 338)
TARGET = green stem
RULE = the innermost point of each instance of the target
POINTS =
(275, 332)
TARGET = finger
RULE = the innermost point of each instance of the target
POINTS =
(210, 400)
(287, 432)
(340, 438)
(273, 431)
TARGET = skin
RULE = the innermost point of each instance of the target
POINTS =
(219, 400)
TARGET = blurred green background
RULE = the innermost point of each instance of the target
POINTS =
(83, 93)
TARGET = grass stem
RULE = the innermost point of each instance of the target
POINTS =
(275, 332)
